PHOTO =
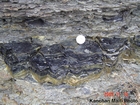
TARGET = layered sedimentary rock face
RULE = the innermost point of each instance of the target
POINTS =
(59, 59)
(16, 55)
(59, 63)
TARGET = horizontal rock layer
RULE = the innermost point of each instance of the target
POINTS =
(67, 59)
(68, 18)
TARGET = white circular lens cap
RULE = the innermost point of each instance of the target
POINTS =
(80, 39)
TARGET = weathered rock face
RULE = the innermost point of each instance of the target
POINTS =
(69, 18)
(57, 23)
(60, 62)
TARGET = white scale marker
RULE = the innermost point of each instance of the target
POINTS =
(80, 39)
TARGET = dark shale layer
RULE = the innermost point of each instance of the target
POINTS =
(110, 26)
(61, 60)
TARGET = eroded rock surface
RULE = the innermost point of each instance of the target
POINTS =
(60, 21)
(59, 61)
